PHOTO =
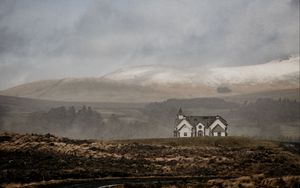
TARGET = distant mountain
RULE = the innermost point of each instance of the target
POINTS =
(274, 71)
(153, 83)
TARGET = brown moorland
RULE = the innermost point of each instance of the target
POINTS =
(26, 158)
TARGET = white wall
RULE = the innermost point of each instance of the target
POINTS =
(200, 129)
(207, 131)
(180, 117)
(186, 129)
(222, 134)
(215, 123)
(183, 122)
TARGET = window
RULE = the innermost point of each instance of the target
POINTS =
(219, 133)
(200, 133)
(185, 134)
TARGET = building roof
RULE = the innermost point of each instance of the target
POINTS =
(204, 120)
(195, 120)
(180, 112)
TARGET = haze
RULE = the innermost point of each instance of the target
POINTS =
(71, 38)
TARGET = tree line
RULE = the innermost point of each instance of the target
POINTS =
(266, 110)
(82, 123)
(157, 120)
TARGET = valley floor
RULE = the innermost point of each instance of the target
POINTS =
(34, 158)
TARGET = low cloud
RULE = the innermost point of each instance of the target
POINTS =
(52, 39)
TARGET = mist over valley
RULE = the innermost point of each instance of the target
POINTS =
(160, 94)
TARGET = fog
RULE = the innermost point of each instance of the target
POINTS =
(261, 118)
(71, 38)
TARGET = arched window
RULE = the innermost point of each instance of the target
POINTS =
(200, 133)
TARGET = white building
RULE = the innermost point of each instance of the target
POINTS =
(195, 126)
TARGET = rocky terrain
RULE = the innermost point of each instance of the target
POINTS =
(26, 158)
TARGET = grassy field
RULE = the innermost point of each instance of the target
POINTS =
(229, 141)
(28, 158)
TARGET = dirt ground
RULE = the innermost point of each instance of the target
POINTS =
(230, 161)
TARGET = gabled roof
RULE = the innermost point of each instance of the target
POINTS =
(218, 128)
(182, 127)
(177, 121)
(204, 120)
(195, 120)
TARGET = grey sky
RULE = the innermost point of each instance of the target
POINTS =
(70, 38)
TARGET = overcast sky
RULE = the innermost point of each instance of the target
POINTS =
(71, 38)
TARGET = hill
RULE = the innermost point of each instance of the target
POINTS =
(157, 83)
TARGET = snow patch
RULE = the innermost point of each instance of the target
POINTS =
(276, 70)
(263, 73)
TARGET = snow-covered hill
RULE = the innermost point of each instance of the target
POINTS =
(152, 83)
(277, 70)
(152, 74)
